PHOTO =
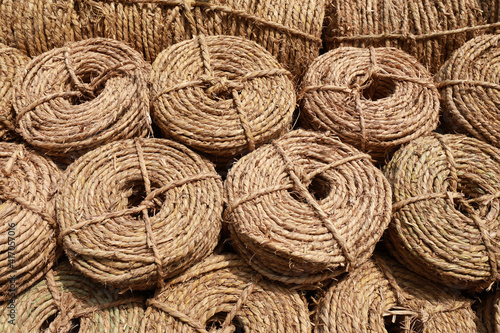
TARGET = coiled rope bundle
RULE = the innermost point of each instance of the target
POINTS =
(447, 209)
(76, 98)
(383, 296)
(28, 245)
(470, 89)
(221, 95)
(64, 298)
(289, 29)
(11, 63)
(135, 212)
(489, 312)
(428, 31)
(374, 99)
(223, 293)
(306, 207)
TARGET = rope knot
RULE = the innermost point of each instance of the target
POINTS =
(219, 85)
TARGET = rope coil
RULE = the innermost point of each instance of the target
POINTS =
(152, 208)
(306, 208)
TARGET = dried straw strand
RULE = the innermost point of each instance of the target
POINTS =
(28, 246)
(76, 98)
(306, 208)
(224, 290)
(135, 212)
(446, 209)
(489, 312)
(375, 99)
(470, 91)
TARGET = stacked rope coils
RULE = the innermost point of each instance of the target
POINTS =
(470, 89)
(383, 296)
(306, 207)
(447, 209)
(222, 294)
(63, 298)
(374, 99)
(11, 62)
(221, 95)
(76, 98)
(428, 31)
(28, 241)
(135, 212)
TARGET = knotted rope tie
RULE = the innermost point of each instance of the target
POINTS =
(195, 324)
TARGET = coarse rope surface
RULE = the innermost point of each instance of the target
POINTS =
(221, 95)
(383, 296)
(222, 293)
(63, 298)
(488, 310)
(135, 212)
(430, 31)
(76, 98)
(11, 63)
(306, 207)
(28, 240)
(289, 29)
(373, 98)
(447, 209)
(470, 89)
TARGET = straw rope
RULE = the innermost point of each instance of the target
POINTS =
(470, 91)
(223, 293)
(135, 212)
(306, 208)
(374, 99)
(489, 312)
(446, 209)
(76, 98)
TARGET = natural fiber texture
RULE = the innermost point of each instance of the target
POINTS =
(221, 95)
(430, 31)
(135, 212)
(11, 62)
(66, 300)
(306, 207)
(489, 312)
(470, 89)
(447, 209)
(76, 98)
(221, 294)
(374, 99)
(382, 296)
(28, 246)
(491, 10)
(289, 29)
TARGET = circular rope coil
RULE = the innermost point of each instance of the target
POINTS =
(135, 212)
(383, 296)
(447, 209)
(28, 242)
(428, 31)
(222, 294)
(470, 89)
(221, 95)
(66, 300)
(76, 98)
(489, 312)
(374, 99)
(11, 62)
(306, 208)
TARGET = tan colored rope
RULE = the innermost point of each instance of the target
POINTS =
(135, 212)
(488, 310)
(27, 229)
(375, 99)
(289, 29)
(220, 294)
(306, 208)
(221, 95)
(63, 298)
(446, 194)
(11, 63)
(470, 91)
(383, 296)
(429, 31)
(74, 99)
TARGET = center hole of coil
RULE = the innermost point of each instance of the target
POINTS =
(87, 78)
(137, 193)
(218, 319)
(402, 324)
(471, 190)
(379, 88)
(319, 188)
